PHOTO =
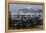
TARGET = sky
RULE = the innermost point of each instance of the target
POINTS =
(13, 7)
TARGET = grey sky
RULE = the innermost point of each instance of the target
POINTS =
(13, 7)
(16, 6)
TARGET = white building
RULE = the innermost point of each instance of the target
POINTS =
(31, 14)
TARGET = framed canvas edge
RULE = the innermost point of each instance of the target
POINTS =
(21, 2)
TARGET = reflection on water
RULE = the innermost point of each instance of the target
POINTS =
(22, 22)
